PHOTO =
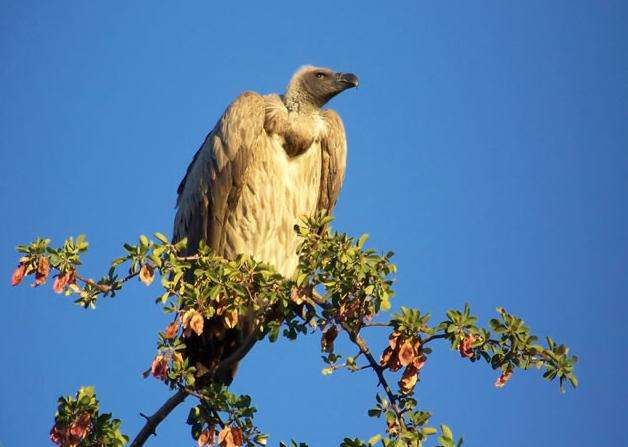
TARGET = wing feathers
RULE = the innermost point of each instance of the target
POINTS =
(334, 161)
(214, 179)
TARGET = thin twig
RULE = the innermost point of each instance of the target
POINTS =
(218, 418)
(376, 324)
(188, 258)
(433, 337)
(361, 344)
(194, 393)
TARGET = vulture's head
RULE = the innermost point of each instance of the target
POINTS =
(317, 85)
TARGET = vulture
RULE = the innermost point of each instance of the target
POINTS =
(268, 162)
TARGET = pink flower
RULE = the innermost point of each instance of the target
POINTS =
(159, 368)
(18, 274)
(43, 269)
(57, 436)
(80, 427)
(465, 348)
(503, 378)
(63, 280)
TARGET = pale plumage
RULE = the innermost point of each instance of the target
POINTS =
(269, 161)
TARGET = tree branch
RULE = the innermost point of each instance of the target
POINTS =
(354, 336)
(433, 337)
(153, 421)
(376, 324)
(361, 344)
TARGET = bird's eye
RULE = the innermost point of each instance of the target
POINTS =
(320, 75)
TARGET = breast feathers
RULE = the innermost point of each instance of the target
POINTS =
(259, 171)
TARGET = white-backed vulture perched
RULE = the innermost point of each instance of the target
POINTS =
(269, 161)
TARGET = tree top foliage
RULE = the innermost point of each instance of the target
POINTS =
(341, 288)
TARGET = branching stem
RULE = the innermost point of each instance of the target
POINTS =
(361, 344)
(153, 421)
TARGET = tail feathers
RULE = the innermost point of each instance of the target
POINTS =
(214, 345)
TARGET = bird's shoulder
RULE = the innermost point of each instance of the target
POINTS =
(244, 116)
(332, 120)
(334, 129)
(274, 101)
(238, 126)
(275, 114)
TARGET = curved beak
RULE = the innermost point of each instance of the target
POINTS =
(348, 80)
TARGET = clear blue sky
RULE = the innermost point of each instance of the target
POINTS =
(488, 148)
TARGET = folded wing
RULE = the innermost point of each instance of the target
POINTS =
(214, 180)
(334, 161)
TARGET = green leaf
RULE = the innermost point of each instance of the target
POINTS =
(116, 262)
(301, 278)
(163, 298)
(81, 242)
(446, 431)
